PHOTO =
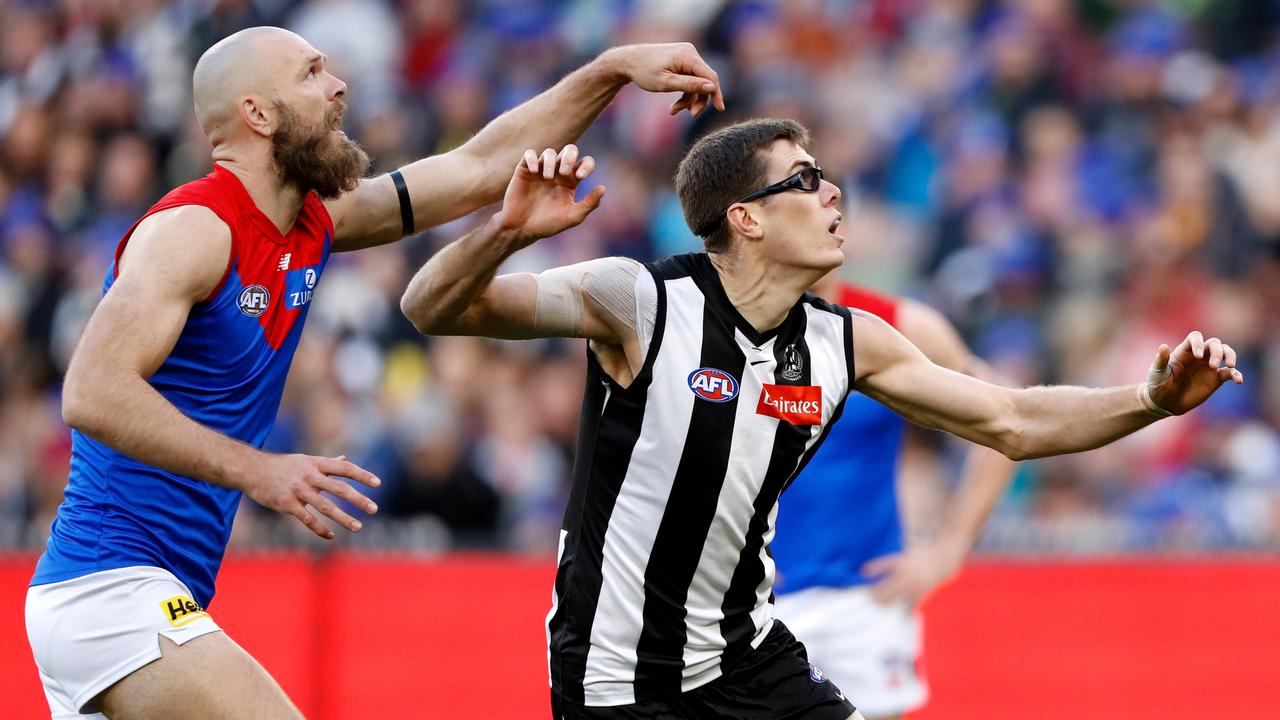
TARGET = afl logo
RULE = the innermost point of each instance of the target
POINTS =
(253, 300)
(715, 385)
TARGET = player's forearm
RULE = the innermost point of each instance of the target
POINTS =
(455, 278)
(550, 120)
(125, 412)
(1063, 419)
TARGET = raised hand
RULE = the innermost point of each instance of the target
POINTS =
(539, 201)
(672, 67)
(290, 483)
(1183, 378)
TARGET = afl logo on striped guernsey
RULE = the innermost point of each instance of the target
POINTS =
(253, 300)
(715, 385)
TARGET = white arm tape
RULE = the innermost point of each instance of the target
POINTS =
(620, 285)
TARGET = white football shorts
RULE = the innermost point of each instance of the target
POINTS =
(870, 650)
(89, 632)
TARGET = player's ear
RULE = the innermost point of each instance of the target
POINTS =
(744, 222)
(254, 112)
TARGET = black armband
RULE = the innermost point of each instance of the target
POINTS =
(406, 205)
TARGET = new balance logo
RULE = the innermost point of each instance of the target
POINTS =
(284, 261)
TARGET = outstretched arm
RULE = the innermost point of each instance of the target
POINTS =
(1040, 421)
(173, 261)
(448, 186)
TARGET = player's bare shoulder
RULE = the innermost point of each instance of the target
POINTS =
(620, 299)
(185, 248)
(877, 346)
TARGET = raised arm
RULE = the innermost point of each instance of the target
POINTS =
(448, 186)
(174, 260)
(927, 563)
(1040, 421)
(456, 291)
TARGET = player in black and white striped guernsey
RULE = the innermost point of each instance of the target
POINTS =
(711, 379)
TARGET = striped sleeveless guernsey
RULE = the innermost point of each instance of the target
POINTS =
(664, 575)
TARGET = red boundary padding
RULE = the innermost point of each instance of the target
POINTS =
(352, 636)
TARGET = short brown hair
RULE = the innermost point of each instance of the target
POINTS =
(724, 166)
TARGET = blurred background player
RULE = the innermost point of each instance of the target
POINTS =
(176, 381)
(848, 581)
(712, 378)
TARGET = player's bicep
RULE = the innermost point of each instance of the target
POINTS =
(440, 188)
(367, 216)
(172, 261)
(569, 301)
(894, 372)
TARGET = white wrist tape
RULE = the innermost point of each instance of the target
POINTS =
(1149, 404)
(1154, 378)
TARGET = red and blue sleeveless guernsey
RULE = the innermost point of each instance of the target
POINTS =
(843, 508)
(226, 371)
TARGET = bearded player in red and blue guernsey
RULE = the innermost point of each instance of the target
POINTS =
(178, 377)
(849, 588)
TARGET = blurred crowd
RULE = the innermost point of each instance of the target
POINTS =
(1072, 183)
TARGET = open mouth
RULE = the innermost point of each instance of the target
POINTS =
(835, 224)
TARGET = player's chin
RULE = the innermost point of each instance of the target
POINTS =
(830, 259)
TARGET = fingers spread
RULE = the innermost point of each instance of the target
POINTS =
(1197, 344)
(299, 511)
(347, 469)
(348, 493)
(585, 166)
(330, 509)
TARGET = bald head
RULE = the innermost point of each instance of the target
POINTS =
(246, 63)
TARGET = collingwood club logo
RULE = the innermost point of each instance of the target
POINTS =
(792, 363)
(253, 300)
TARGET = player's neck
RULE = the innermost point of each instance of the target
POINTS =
(280, 203)
(763, 293)
(828, 288)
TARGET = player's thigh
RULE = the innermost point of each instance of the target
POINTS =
(89, 632)
(208, 678)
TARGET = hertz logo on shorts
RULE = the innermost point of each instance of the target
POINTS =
(182, 610)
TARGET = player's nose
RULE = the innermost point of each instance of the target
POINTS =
(830, 193)
(337, 89)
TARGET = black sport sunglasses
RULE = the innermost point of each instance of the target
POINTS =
(808, 179)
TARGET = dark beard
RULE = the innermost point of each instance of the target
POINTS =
(309, 158)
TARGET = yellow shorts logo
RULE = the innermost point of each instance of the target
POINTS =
(182, 610)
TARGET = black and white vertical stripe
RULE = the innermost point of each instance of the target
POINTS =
(664, 574)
